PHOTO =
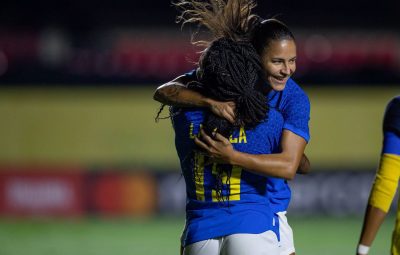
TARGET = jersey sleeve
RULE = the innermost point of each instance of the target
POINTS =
(387, 176)
(386, 181)
(297, 114)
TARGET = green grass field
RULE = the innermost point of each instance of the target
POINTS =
(159, 236)
(111, 127)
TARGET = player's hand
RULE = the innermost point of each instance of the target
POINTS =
(224, 110)
(218, 148)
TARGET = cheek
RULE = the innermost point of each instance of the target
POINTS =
(270, 69)
(293, 68)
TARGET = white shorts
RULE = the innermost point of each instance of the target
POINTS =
(237, 244)
(286, 242)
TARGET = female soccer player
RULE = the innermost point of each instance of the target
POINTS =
(227, 211)
(386, 181)
(275, 44)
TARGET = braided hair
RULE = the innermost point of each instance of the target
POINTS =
(229, 67)
(229, 71)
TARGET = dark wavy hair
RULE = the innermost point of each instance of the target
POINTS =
(229, 66)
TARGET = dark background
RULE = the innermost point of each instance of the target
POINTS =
(48, 42)
(89, 14)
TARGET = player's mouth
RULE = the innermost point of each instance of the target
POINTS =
(279, 80)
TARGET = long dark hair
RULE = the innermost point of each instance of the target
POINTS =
(229, 71)
(229, 66)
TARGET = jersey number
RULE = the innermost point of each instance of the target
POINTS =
(233, 186)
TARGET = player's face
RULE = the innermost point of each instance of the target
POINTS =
(279, 62)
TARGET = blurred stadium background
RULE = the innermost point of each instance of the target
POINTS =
(84, 169)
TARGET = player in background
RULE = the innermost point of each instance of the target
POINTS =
(386, 181)
(275, 44)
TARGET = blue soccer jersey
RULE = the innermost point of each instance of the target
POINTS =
(247, 209)
(294, 105)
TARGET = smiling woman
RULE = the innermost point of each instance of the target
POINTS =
(279, 63)
(275, 44)
(276, 49)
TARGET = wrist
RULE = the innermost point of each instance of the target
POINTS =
(207, 102)
(234, 158)
(362, 249)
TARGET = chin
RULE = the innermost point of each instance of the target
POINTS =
(278, 87)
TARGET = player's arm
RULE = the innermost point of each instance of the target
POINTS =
(296, 113)
(373, 219)
(381, 197)
(176, 93)
(386, 179)
(304, 165)
(282, 165)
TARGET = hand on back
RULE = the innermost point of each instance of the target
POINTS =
(218, 148)
(224, 110)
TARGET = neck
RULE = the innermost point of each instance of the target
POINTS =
(263, 87)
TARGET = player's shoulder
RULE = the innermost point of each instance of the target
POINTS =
(394, 104)
(294, 91)
(391, 120)
(293, 87)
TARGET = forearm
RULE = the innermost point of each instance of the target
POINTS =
(275, 165)
(382, 193)
(304, 165)
(176, 94)
(282, 165)
(372, 221)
